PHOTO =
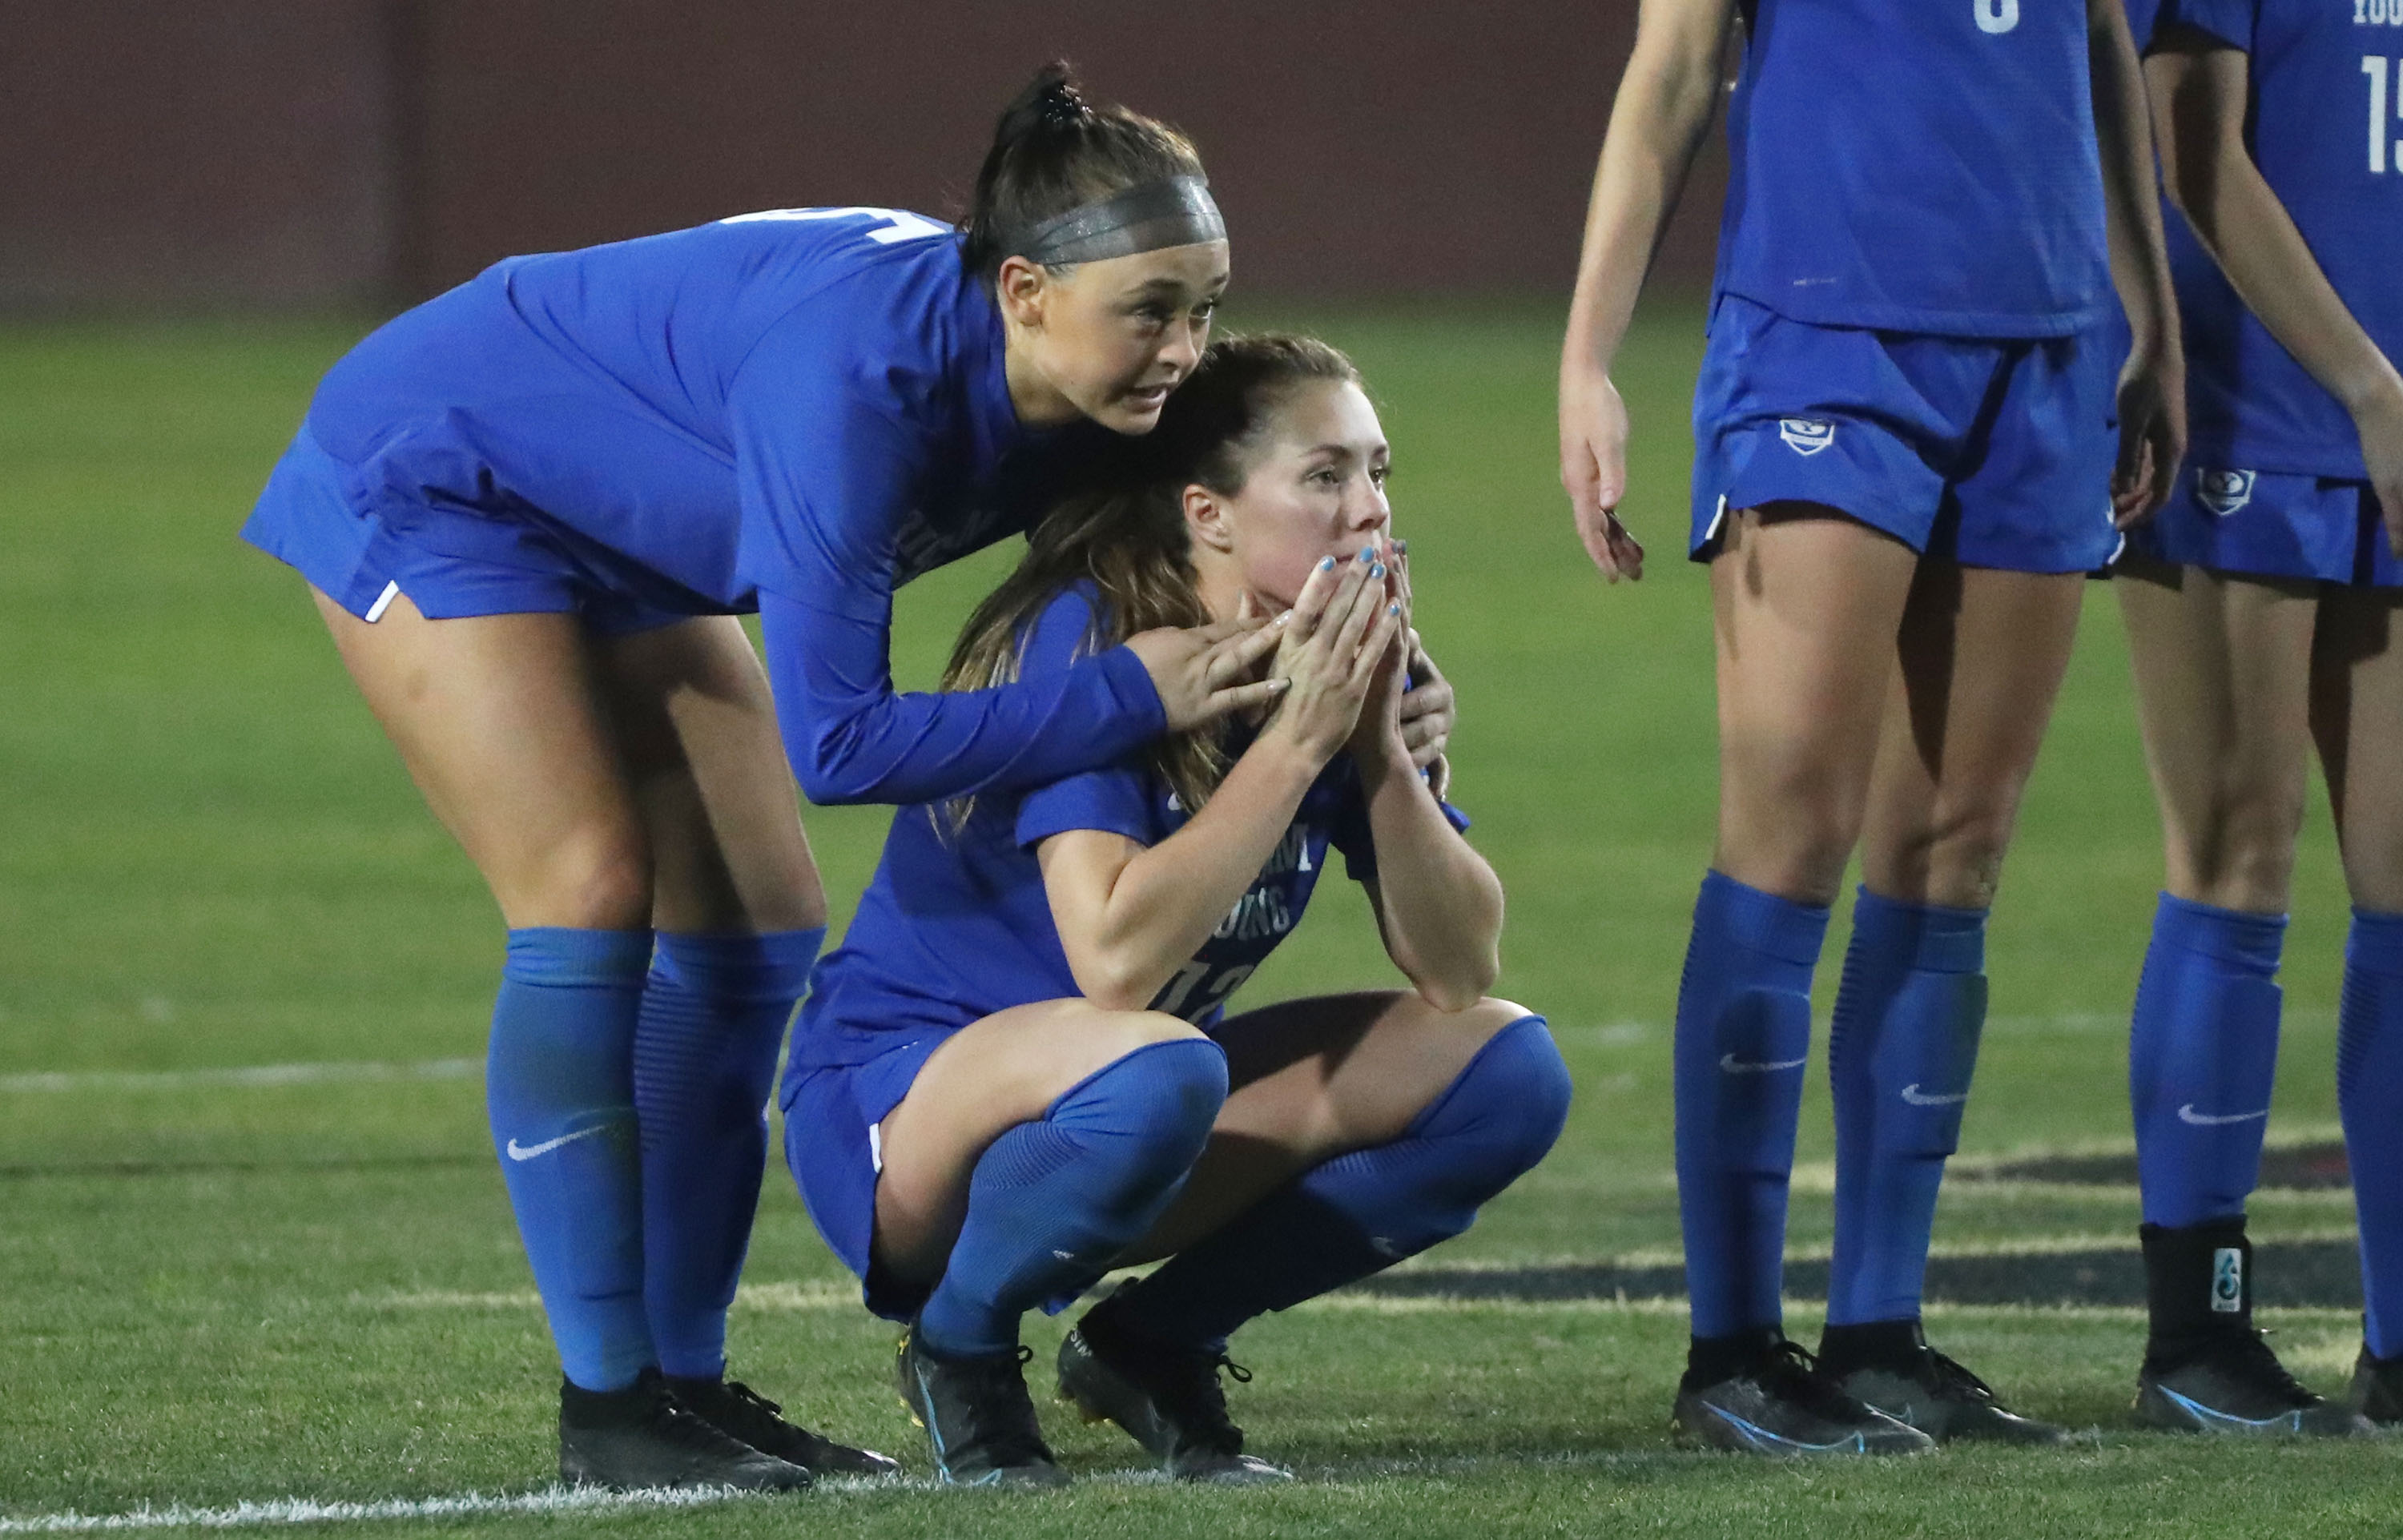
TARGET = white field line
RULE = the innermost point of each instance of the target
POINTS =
(251, 1077)
(306, 1510)
(767, 1298)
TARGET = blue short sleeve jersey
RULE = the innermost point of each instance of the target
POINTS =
(2326, 127)
(796, 411)
(1922, 166)
(957, 926)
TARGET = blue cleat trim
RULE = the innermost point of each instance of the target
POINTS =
(1769, 1443)
(2288, 1422)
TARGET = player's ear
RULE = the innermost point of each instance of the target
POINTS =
(1205, 518)
(1023, 288)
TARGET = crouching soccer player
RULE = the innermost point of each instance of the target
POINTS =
(1015, 1076)
(2263, 608)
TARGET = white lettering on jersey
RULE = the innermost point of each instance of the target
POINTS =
(896, 223)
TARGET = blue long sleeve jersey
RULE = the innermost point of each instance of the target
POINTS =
(795, 411)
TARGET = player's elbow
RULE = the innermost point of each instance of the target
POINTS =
(1115, 977)
(830, 773)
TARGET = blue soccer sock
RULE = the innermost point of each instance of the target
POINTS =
(1054, 1203)
(1901, 1052)
(714, 1015)
(1744, 1034)
(2202, 1056)
(2369, 1099)
(1361, 1212)
(559, 1086)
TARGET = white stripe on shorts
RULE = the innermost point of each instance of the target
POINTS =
(384, 601)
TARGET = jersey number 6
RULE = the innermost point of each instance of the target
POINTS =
(1997, 16)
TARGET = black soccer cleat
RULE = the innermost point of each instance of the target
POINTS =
(1778, 1403)
(1168, 1399)
(1890, 1366)
(642, 1437)
(734, 1407)
(2376, 1391)
(2234, 1384)
(978, 1416)
(2207, 1369)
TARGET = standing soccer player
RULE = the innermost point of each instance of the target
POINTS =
(2261, 610)
(1903, 465)
(529, 509)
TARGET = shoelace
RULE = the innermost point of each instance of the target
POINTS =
(992, 1399)
(1192, 1394)
(1792, 1373)
(1950, 1376)
(2257, 1357)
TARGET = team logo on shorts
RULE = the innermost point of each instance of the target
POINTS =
(2223, 492)
(1805, 436)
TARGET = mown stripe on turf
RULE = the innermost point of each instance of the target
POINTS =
(2323, 1273)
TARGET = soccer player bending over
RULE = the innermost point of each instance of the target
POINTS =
(1016, 1073)
(530, 509)
(2262, 610)
(1902, 467)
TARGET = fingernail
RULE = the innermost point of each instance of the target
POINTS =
(1393, 609)
(1282, 618)
(1401, 547)
(1377, 571)
(1367, 553)
(1327, 563)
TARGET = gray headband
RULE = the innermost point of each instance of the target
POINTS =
(1178, 212)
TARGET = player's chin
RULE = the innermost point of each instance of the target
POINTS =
(1137, 412)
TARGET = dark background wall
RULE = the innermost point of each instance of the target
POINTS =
(306, 154)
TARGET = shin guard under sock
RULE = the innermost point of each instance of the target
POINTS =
(1361, 1212)
(1054, 1203)
(559, 1086)
(1901, 1052)
(2202, 1058)
(1742, 1035)
(2369, 1099)
(714, 1014)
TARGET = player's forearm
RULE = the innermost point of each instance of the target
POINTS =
(1438, 904)
(1657, 124)
(2217, 185)
(1169, 899)
(2140, 267)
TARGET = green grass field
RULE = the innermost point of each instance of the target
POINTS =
(219, 1287)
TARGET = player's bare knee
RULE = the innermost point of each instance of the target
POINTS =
(599, 881)
(2240, 855)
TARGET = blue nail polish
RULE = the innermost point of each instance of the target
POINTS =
(1393, 609)
(1377, 571)
(1367, 553)
(1327, 563)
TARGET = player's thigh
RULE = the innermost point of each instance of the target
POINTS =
(699, 727)
(2222, 668)
(1979, 657)
(990, 1076)
(500, 721)
(2357, 717)
(1315, 1078)
(1805, 603)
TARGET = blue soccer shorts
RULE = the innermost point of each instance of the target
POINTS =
(1993, 452)
(2269, 524)
(316, 517)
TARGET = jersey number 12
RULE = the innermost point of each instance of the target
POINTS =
(2378, 69)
